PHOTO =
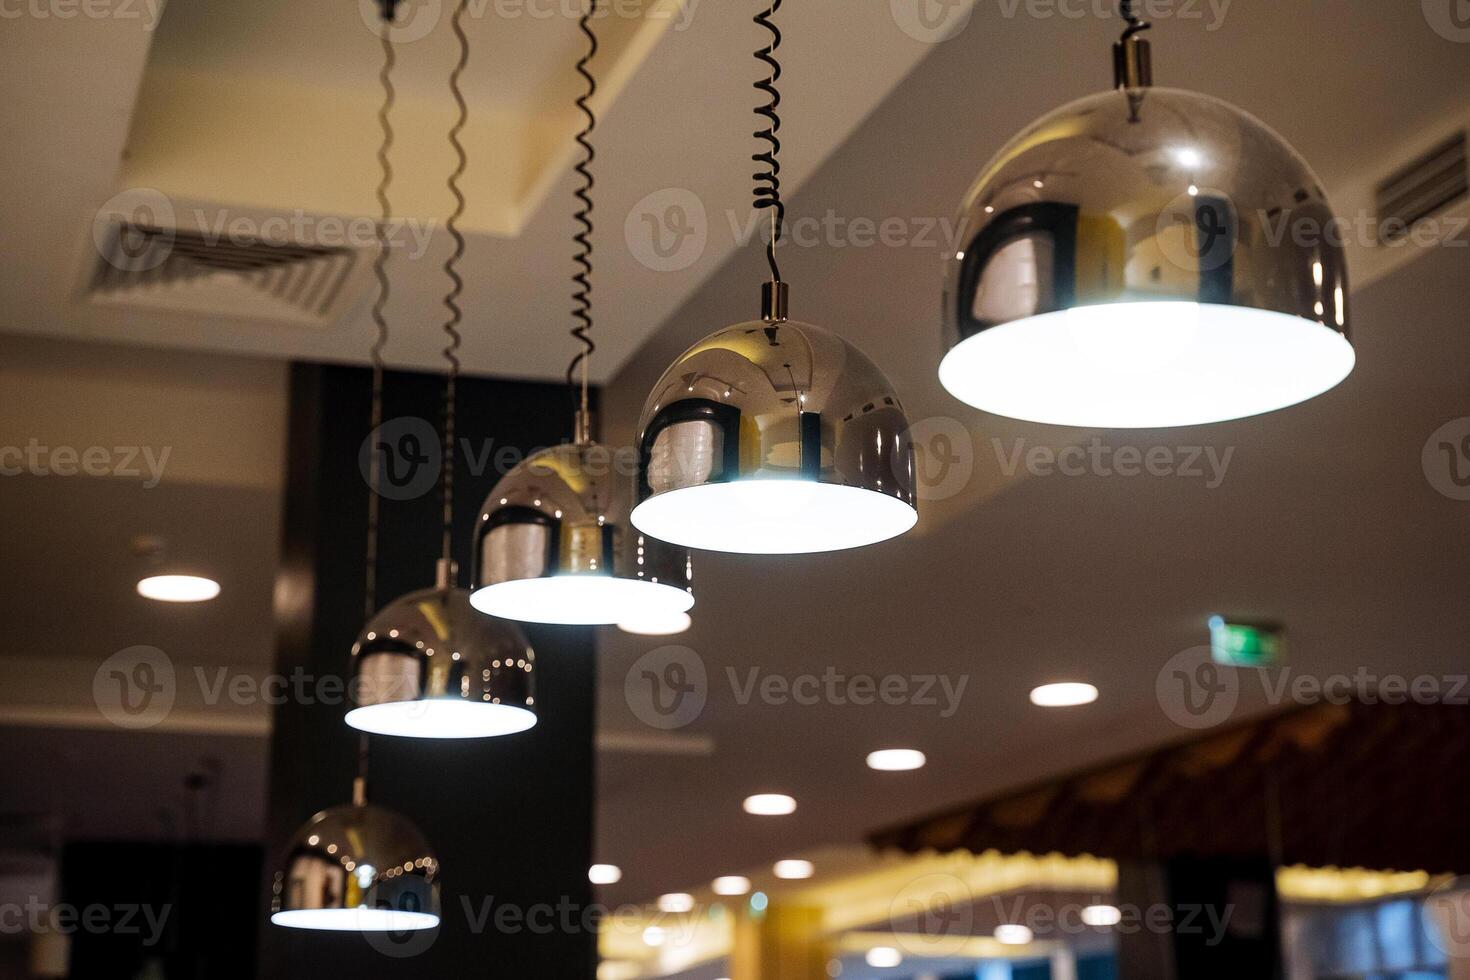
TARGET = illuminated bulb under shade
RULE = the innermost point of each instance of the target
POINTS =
(604, 874)
(443, 719)
(676, 903)
(178, 588)
(580, 600)
(769, 805)
(1146, 365)
(355, 920)
(883, 957)
(774, 517)
(657, 624)
(1101, 916)
(896, 760)
(731, 885)
(1067, 695)
(794, 870)
(1013, 935)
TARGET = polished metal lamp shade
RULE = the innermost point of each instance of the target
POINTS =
(553, 545)
(1145, 257)
(357, 868)
(429, 665)
(774, 437)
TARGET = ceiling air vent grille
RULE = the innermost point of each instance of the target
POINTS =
(188, 271)
(1434, 181)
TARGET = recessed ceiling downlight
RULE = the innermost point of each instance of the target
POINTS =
(604, 874)
(1013, 935)
(883, 957)
(178, 588)
(896, 760)
(794, 870)
(1069, 694)
(731, 885)
(770, 805)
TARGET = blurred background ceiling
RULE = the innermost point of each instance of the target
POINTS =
(1322, 516)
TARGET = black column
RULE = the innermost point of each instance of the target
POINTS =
(1199, 919)
(510, 819)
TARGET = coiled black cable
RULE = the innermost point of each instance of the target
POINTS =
(380, 271)
(582, 280)
(768, 182)
(451, 299)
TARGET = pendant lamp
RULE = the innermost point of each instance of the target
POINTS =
(428, 665)
(1130, 261)
(357, 868)
(553, 543)
(774, 436)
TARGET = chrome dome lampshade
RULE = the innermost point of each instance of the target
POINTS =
(1146, 257)
(553, 545)
(774, 437)
(357, 868)
(431, 666)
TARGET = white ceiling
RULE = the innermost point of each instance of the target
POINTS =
(1324, 520)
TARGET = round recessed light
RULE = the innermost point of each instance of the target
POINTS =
(676, 903)
(883, 957)
(653, 936)
(178, 588)
(1013, 935)
(794, 870)
(657, 624)
(896, 760)
(1066, 695)
(604, 874)
(1101, 916)
(770, 805)
(731, 885)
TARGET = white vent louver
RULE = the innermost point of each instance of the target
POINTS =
(189, 272)
(1423, 188)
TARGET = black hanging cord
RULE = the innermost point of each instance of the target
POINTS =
(1136, 24)
(768, 182)
(451, 299)
(582, 281)
(380, 270)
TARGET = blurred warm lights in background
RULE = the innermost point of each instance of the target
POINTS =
(794, 870)
(604, 874)
(178, 588)
(731, 885)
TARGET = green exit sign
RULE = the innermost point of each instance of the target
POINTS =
(1246, 644)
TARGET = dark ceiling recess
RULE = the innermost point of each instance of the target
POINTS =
(1352, 785)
